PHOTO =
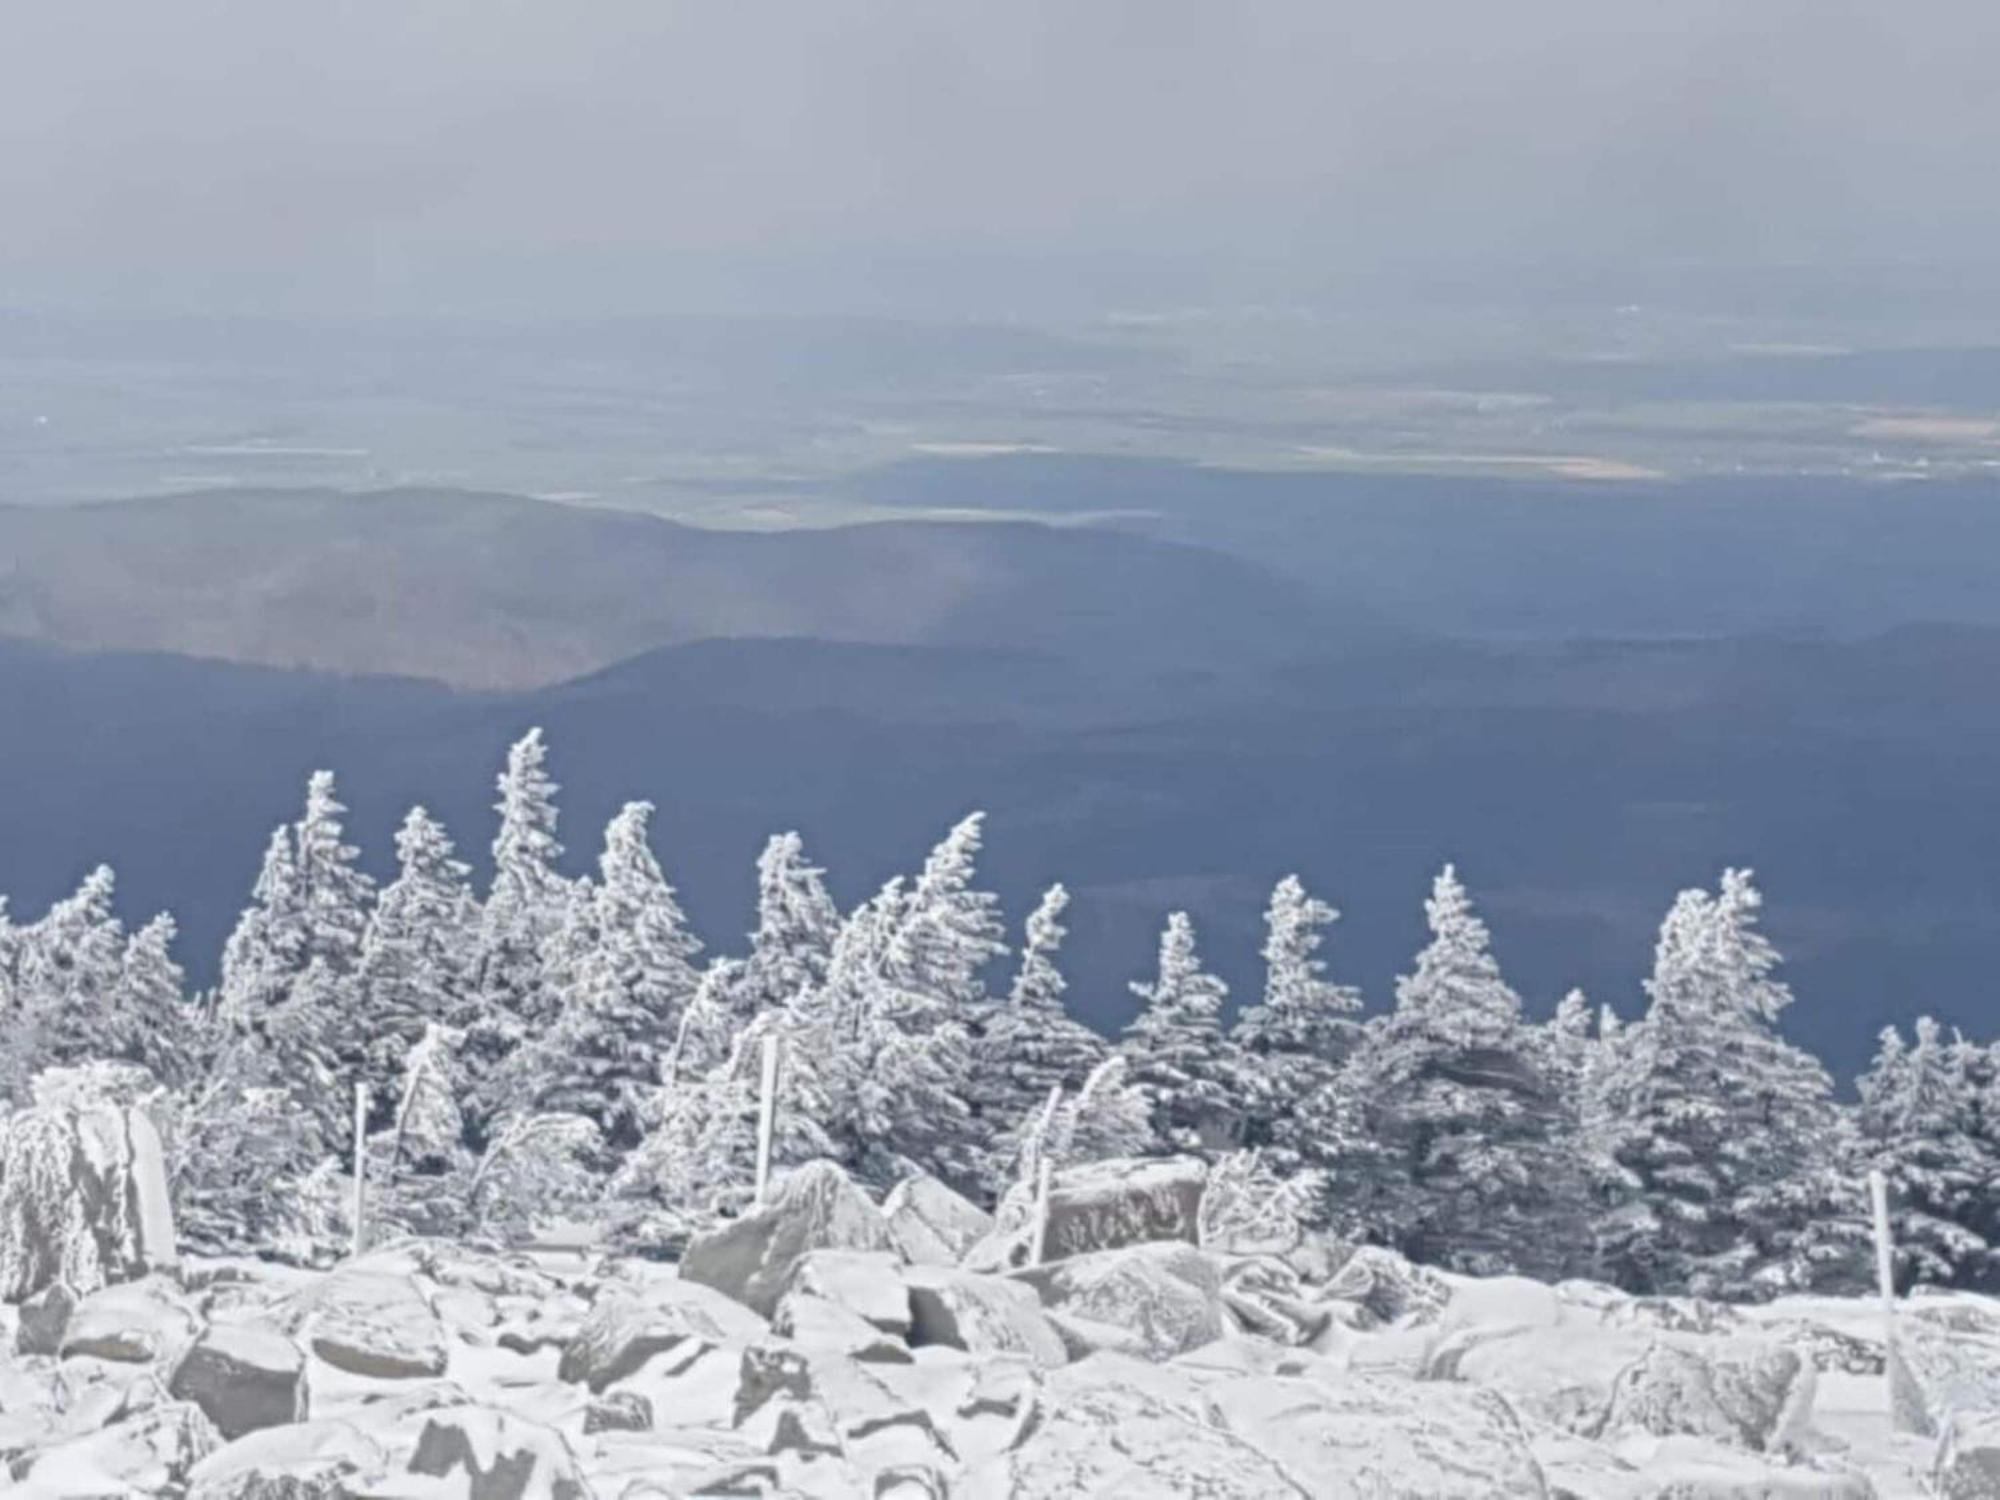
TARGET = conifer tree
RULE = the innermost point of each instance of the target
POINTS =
(1179, 1058)
(1029, 1044)
(1919, 1124)
(1730, 1150)
(416, 951)
(70, 966)
(1470, 1151)
(155, 1023)
(796, 927)
(1298, 1039)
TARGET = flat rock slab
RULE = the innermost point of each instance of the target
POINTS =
(377, 1324)
(983, 1315)
(931, 1224)
(136, 1323)
(1110, 1204)
(322, 1460)
(1169, 1296)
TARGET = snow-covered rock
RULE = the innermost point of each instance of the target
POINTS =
(1107, 1205)
(495, 1455)
(1742, 1392)
(320, 1460)
(831, 1328)
(373, 1323)
(244, 1376)
(137, 1322)
(752, 1258)
(932, 1225)
(618, 1411)
(1169, 1295)
(1264, 1296)
(868, 1283)
(1687, 1468)
(982, 1315)
(1359, 1437)
(627, 1328)
(1946, 1361)
(1968, 1457)
(150, 1452)
(83, 1200)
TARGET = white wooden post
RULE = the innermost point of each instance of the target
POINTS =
(767, 1113)
(360, 1167)
(1038, 1246)
(1885, 1249)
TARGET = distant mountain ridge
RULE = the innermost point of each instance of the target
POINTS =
(499, 592)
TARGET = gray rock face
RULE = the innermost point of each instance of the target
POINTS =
(244, 1376)
(373, 1323)
(83, 1200)
(44, 1318)
(497, 1456)
(752, 1258)
(1168, 1295)
(323, 1460)
(1110, 1204)
(627, 1329)
(981, 1315)
(619, 1411)
(931, 1224)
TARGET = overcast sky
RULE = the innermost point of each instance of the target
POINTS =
(390, 154)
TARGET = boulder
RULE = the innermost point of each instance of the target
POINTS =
(320, 1460)
(868, 1283)
(150, 1452)
(1107, 1205)
(618, 1411)
(1741, 1392)
(627, 1328)
(829, 1328)
(373, 1323)
(137, 1322)
(1169, 1295)
(1968, 1457)
(83, 1200)
(1264, 1296)
(494, 1455)
(752, 1258)
(932, 1225)
(1563, 1376)
(982, 1315)
(1347, 1437)
(244, 1376)
(1112, 1425)
(1945, 1361)
(43, 1319)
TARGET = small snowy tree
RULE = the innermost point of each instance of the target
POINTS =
(155, 1024)
(1178, 1056)
(416, 951)
(71, 964)
(1919, 1124)
(797, 923)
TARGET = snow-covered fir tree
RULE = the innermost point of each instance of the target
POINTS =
(1180, 1059)
(1733, 1159)
(1029, 1044)
(416, 952)
(1919, 1122)
(797, 923)
(1471, 1152)
(1301, 1035)
(155, 1023)
(70, 967)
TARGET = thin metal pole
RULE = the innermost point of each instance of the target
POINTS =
(1885, 1278)
(360, 1168)
(1039, 1248)
(767, 1113)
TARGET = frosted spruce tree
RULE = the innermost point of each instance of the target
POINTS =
(797, 923)
(1179, 1058)
(156, 1025)
(1301, 1035)
(1733, 1160)
(416, 952)
(69, 975)
(524, 915)
(1029, 1045)
(1468, 1152)
(626, 984)
(1919, 1120)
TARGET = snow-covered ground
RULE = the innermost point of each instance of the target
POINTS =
(827, 1347)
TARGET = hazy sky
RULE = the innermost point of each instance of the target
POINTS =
(391, 154)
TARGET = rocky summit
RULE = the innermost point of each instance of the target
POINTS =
(813, 1349)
